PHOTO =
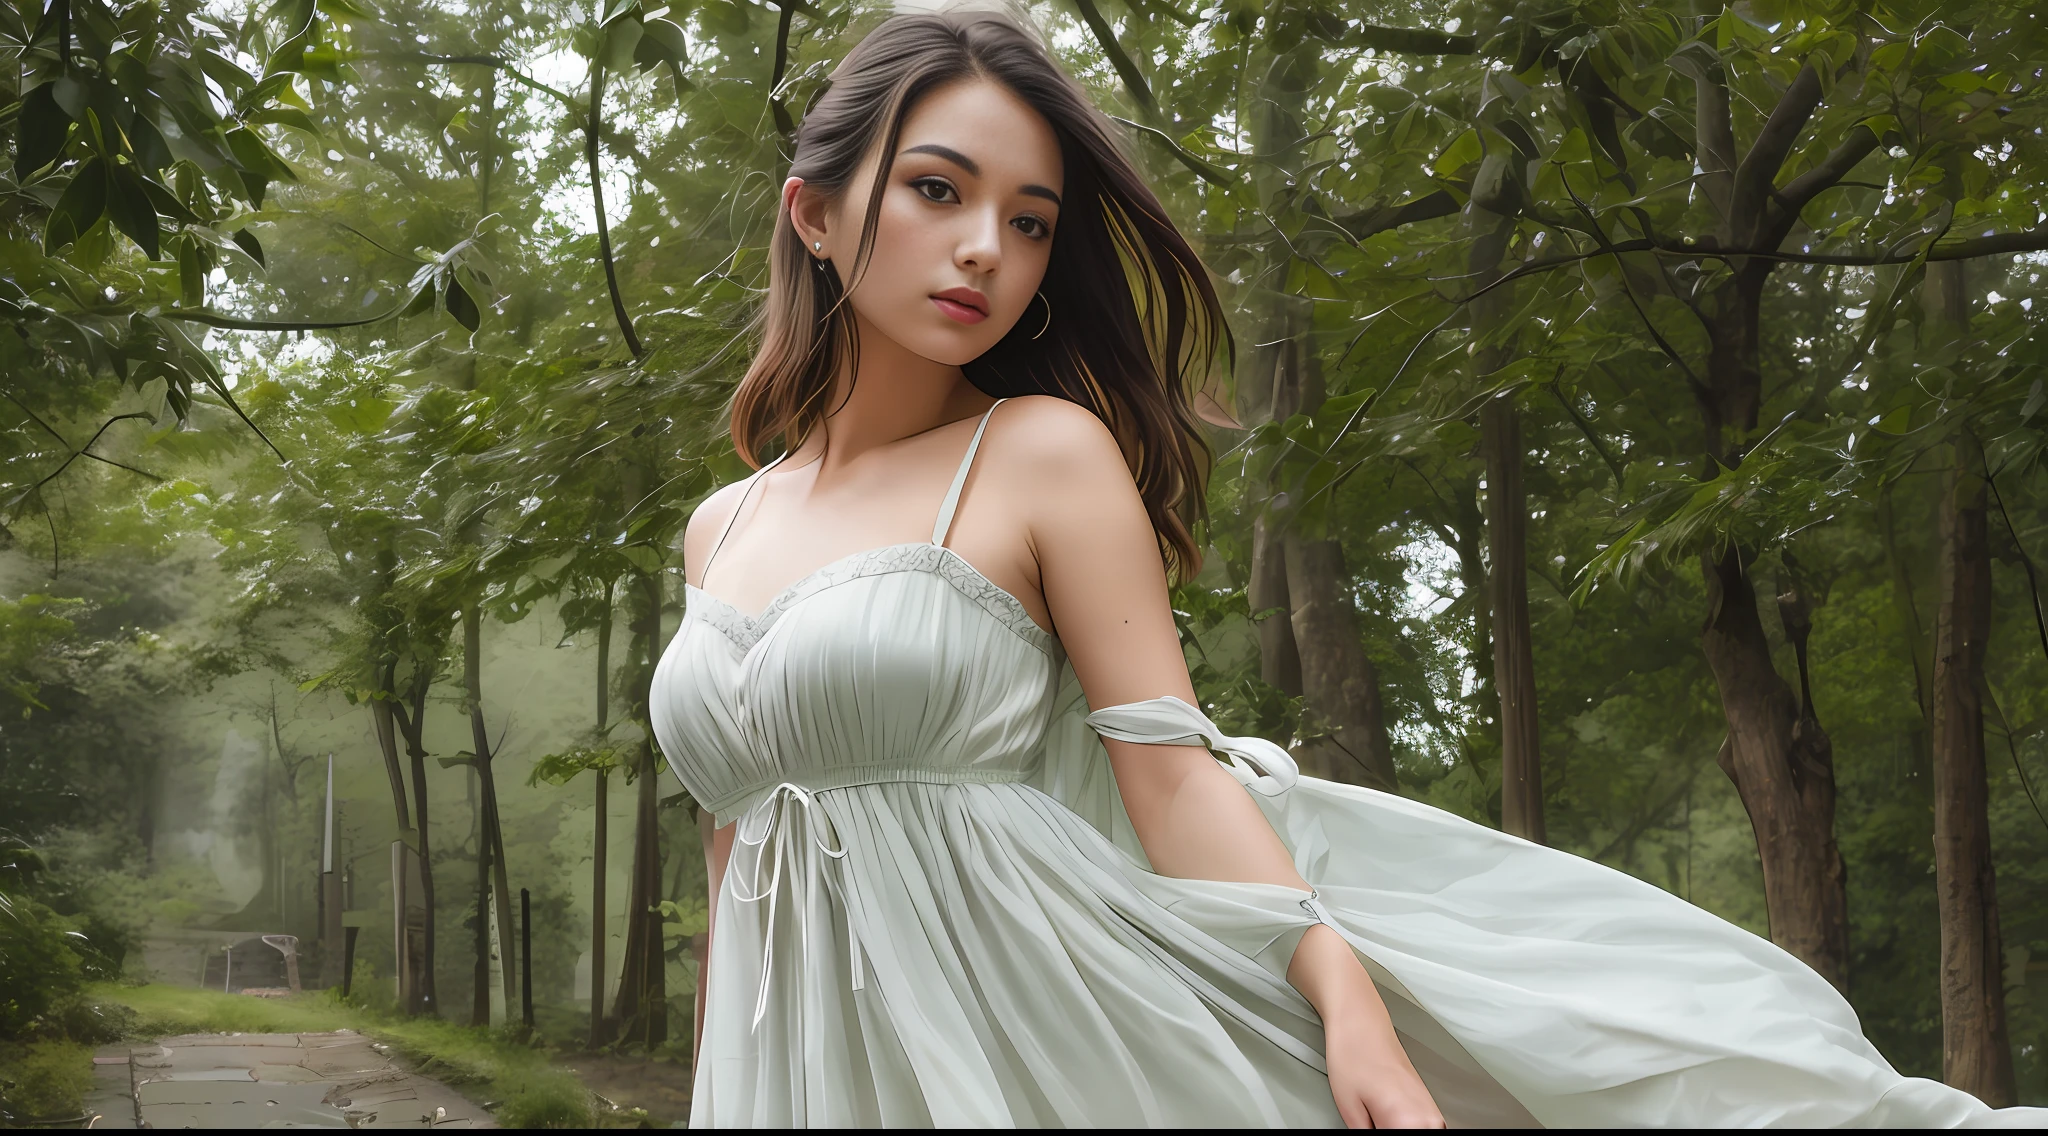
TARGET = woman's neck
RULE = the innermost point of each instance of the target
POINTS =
(898, 393)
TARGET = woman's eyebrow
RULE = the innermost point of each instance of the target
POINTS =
(974, 168)
(948, 153)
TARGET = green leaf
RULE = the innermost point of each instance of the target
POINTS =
(191, 274)
(620, 39)
(284, 116)
(422, 302)
(666, 37)
(224, 72)
(129, 207)
(461, 306)
(2036, 397)
(253, 160)
(1462, 152)
(166, 202)
(1895, 421)
(1495, 187)
(247, 242)
(645, 559)
(321, 62)
(83, 203)
(263, 92)
(44, 128)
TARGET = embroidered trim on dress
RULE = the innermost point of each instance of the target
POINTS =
(746, 631)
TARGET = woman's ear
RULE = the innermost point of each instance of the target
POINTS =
(808, 213)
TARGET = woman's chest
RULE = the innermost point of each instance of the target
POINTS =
(890, 669)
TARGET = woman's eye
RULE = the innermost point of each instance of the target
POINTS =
(1032, 226)
(935, 189)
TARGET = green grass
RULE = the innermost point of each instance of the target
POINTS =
(483, 1063)
(43, 1079)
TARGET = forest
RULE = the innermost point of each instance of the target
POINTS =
(1641, 451)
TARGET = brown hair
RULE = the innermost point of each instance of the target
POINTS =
(1134, 324)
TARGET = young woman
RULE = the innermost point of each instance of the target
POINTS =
(947, 892)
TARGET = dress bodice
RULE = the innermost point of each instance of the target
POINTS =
(899, 663)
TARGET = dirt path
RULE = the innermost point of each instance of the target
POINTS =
(270, 1080)
(662, 1088)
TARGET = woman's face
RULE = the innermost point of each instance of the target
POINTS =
(965, 229)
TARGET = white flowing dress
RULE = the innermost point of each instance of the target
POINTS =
(936, 912)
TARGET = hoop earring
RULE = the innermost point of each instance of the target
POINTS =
(1048, 314)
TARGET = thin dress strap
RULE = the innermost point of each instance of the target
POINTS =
(952, 501)
(752, 480)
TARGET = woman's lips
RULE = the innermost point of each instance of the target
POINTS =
(962, 305)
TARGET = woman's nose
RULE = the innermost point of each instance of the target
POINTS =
(981, 245)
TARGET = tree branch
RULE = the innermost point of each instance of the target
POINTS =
(1134, 80)
(1759, 168)
(1795, 194)
(237, 323)
(1371, 222)
(1991, 244)
(783, 123)
(1628, 289)
(1593, 439)
(1207, 171)
(1412, 41)
(604, 232)
(77, 453)
(220, 388)
(1715, 135)
(82, 452)
(36, 418)
(480, 61)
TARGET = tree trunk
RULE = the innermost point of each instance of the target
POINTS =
(642, 1003)
(1316, 651)
(1507, 526)
(480, 990)
(388, 715)
(1266, 595)
(1908, 615)
(1976, 1055)
(601, 839)
(1339, 682)
(1271, 396)
(1514, 664)
(494, 831)
(381, 715)
(1780, 759)
(1783, 773)
(414, 725)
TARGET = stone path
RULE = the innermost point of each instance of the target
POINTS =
(270, 1080)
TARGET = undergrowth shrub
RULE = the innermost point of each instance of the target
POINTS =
(43, 1080)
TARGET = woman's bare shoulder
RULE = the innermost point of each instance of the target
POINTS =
(1054, 442)
(1061, 472)
(707, 520)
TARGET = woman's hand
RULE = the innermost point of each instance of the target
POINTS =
(1371, 1078)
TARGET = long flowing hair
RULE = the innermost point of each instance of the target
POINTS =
(1134, 324)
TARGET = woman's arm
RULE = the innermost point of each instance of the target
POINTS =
(1105, 587)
